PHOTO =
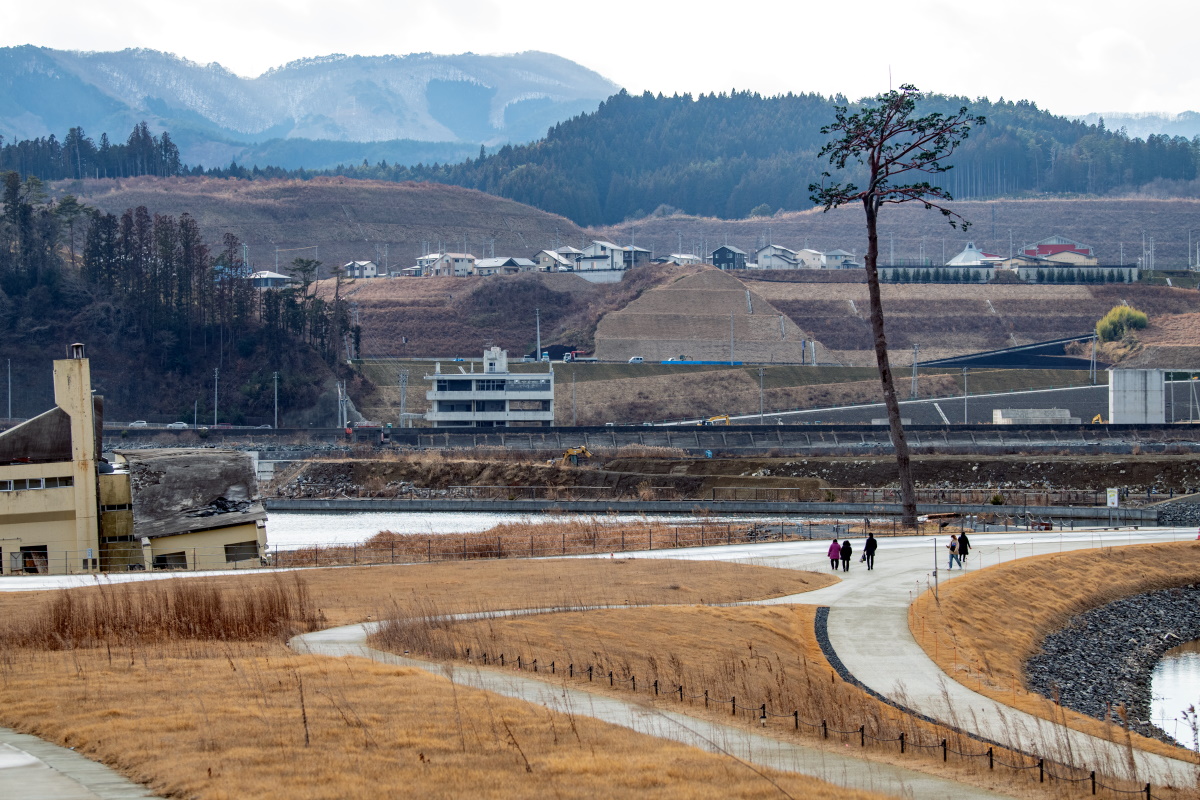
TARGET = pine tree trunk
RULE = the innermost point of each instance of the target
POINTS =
(908, 496)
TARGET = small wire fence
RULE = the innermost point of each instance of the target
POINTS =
(1048, 770)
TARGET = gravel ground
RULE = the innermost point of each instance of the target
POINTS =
(1104, 657)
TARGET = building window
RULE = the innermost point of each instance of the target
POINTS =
(171, 560)
(453, 386)
(241, 551)
(34, 559)
(489, 386)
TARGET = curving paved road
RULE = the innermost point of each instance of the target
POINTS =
(868, 629)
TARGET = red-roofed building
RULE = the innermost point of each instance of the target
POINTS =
(1061, 249)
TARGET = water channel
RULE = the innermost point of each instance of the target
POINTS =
(1175, 686)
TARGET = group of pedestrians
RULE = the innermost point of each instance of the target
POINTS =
(840, 553)
(844, 551)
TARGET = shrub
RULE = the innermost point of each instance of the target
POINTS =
(1119, 321)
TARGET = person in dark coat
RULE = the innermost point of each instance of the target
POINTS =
(964, 546)
(869, 548)
(847, 551)
(834, 554)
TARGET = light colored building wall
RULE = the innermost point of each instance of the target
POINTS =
(1136, 397)
(206, 549)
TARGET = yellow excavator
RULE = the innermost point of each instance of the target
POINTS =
(574, 455)
(1099, 420)
(719, 419)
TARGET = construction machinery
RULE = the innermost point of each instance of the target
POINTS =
(719, 419)
(1099, 420)
(574, 455)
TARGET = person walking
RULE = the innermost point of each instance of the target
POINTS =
(964, 547)
(954, 557)
(834, 554)
(847, 551)
(869, 548)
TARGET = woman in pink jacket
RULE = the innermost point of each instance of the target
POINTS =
(835, 554)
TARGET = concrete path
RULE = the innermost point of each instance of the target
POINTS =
(734, 741)
(33, 769)
(868, 629)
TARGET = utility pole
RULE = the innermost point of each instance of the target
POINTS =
(277, 400)
(195, 413)
(403, 398)
(965, 393)
(760, 395)
(537, 313)
(216, 377)
(573, 418)
(916, 357)
(9, 389)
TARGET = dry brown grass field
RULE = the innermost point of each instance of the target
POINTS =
(186, 686)
(752, 655)
(1034, 597)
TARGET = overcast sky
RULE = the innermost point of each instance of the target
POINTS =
(1070, 56)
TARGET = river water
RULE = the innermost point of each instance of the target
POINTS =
(1175, 687)
(289, 530)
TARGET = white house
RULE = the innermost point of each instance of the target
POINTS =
(270, 280)
(503, 266)
(810, 259)
(840, 259)
(425, 263)
(774, 256)
(361, 269)
(553, 261)
(452, 265)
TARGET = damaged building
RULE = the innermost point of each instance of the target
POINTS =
(64, 508)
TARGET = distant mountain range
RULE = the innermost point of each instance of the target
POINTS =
(1139, 126)
(419, 107)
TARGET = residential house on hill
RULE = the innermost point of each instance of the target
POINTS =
(774, 256)
(553, 261)
(361, 269)
(452, 265)
(271, 280)
(728, 257)
(840, 259)
(810, 259)
(503, 266)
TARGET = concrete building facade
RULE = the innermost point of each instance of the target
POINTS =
(494, 398)
(66, 509)
(1137, 397)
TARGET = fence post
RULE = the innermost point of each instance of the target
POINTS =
(796, 720)
(519, 662)
(944, 751)
(706, 698)
(552, 668)
(502, 659)
(1041, 770)
(862, 735)
(429, 549)
(824, 729)
(1093, 777)
(589, 673)
(902, 743)
(485, 659)
(656, 687)
(610, 678)
(571, 670)
(733, 706)
(992, 763)
(1148, 797)
(633, 679)
(535, 665)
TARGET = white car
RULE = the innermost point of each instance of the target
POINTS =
(637, 360)
(178, 425)
(140, 423)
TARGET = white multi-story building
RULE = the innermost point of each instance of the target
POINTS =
(494, 398)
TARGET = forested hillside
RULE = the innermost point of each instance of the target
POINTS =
(728, 155)
(163, 314)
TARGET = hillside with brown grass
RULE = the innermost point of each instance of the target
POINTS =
(338, 219)
(1171, 341)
